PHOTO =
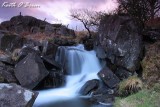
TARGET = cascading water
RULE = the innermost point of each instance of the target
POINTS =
(82, 66)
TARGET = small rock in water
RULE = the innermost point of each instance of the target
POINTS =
(89, 86)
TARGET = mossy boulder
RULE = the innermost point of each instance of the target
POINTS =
(151, 64)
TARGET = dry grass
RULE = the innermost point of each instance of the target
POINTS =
(129, 86)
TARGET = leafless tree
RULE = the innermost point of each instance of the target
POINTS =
(154, 7)
(89, 18)
(140, 10)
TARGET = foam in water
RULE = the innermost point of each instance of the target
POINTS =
(81, 64)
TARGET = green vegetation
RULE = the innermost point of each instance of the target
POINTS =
(144, 98)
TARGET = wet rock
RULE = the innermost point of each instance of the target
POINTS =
(108, 77)
(119, 38)
(103, 89)
(100, 52)
(54, 79)
(12, 95)
(103, 100)
(89, 86)
(30, 71)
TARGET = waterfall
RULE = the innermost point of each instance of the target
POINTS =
(82, 66)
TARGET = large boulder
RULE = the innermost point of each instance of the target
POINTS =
(12, 95)
(30, 71)
(120, 42)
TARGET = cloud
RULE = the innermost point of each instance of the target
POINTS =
(56, 10)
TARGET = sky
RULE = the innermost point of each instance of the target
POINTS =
(55, 11)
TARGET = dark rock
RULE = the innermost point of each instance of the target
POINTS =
(49, 48)
(100, 52)
(88, 43)
(7, 74)
(4, 57)
(35, 30)
(119, 37)
(66, 32)
(9, 41)
(51, 64)
(108, 77)
(104, 90)
(30, 71)
(64, 42)
(22, 53)
(122, 73)
(151, 35)
(54, 79)
(12, 95)
(89, 86)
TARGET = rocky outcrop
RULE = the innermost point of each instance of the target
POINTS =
(12, 95)
(20, 24)
(119, 42)
(30, 71)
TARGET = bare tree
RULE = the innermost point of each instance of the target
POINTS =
(140, 10)
(89, 18)
(136, 9)
(154, 7)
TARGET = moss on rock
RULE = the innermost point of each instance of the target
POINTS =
(151, 65)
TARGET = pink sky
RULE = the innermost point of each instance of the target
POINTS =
(55, 9)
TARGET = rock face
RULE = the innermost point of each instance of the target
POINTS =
(12, 95)
(108, 77)
(120, 42)
(30, 71)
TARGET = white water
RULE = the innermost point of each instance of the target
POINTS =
(81, 64)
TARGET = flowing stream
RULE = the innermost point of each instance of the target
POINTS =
(81, 65)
